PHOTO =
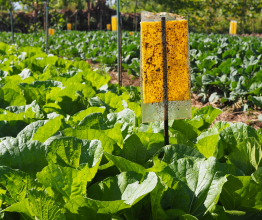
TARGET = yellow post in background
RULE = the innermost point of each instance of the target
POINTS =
(108, 27)
(114, 23)
(69, 26)
(233, 27)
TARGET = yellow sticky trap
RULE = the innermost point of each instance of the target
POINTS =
(69, 26)
(108, 27)
(114, 23)
(49, 31)
(131, 33)
(178, 74)
(53, 31)
(177, 61)
(233, 27)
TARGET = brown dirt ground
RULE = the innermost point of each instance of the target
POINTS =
(250, 35)
(230, 113)
(127, 80)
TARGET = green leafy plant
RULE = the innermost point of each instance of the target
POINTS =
(73, 147)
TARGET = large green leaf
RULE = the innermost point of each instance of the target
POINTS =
(9, 116)
(108, 144)
(118, 193)
(82, 114)
(208, 113)
(185, 127)
(246, 156)
(116, 134)
(93, 121)
(175, 152)
(208, 143)
(242, 194)
(23, 109)
(28, 132)
(194, 186)
(38, 205)
(72, 152)
(125, 117)
(140, 147)
(125, 165)
(75, 90)
(16, 184)
(257, 176)
(11, 98)
(112, 101)
(69, 182)
(28, 157)
(49, 129)
(11, 128)
(40, 64)
(82, 65)
(96, 79)
(220, 125)
(32, 93)
(81, 208)
(236, 134)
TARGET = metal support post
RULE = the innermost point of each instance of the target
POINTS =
(12, 26)
(76, 20)
(188, 22)
(206, 25)
(100, 21)
(243, 25)
(47, 26)
(136, 24)
(119, 46)
(163, 27)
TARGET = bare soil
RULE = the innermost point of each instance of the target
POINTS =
(251, 35)
(127, 80)
(231, 113)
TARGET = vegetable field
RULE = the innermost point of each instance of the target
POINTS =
(223, 67)
(72, 146)
(99, 46)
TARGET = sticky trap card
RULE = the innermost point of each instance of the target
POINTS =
(178, 66)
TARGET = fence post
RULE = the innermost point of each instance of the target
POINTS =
(119, 46)
(47, 26)
(76, 20)
(12, 25)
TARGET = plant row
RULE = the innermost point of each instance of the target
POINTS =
(223, 68)
(99, 46)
